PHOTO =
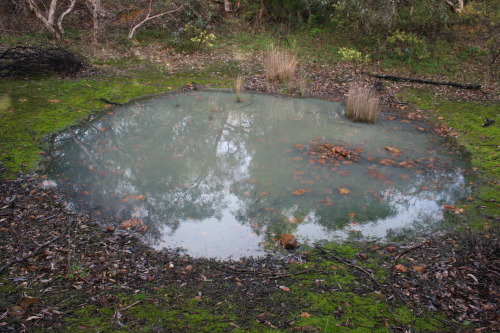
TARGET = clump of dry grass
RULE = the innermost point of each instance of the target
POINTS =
(302, 85)
(280, 65)
(362, 104)
(238, 88)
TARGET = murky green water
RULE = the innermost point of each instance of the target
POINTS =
(225, 179)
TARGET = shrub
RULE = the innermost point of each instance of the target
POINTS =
(407, 45)
(362, 104)
(280, 65)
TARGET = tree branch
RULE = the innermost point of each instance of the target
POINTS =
(148, 18)
(63, 15)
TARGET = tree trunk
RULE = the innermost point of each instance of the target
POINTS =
(48, 21)
(48, 18)
(456, 7)
(227, 6)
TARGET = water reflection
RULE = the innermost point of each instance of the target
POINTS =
(221, 178)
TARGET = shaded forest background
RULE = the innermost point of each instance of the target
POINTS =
(390, 30)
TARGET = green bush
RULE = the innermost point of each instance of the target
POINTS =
(407, 45)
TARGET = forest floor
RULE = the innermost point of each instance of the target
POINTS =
(62, 271)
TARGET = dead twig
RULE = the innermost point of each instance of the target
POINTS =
(31, 254)
(404, 252)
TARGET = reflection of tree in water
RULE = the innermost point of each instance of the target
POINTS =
(166, 164)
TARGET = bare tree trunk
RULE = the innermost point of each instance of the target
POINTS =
(227, 6)
(49, 18)
(457, 6)
(63, 15)
(95, 6)
(48, 21)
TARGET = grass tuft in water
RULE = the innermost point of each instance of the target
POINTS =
(362, 104)
(238, 88)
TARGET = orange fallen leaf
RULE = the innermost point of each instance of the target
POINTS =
(301, 191)
(54, 100)
(289, 241)
(344, 190)
(400, 268)
(363, 256)
(305, 315)
(391, 249)
(285, 288)
(419, 269)
(130, 223)
(299, 146)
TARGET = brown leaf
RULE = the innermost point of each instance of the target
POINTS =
(391, 249)
(26, 302)
(420, 269)
(394, 150)
(400, 268)
(363, 256)
(305, 315)
(386, 161)
(301, 191)
(289, 241)
(344, 190)
(285, 288)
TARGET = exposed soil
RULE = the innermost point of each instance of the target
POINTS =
(60, 255)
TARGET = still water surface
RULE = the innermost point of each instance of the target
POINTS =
(224, 179)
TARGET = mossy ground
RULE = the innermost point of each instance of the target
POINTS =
(464, 120)
(31, 109)
(330, 298)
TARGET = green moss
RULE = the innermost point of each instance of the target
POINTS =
(30, 110)
(90, 319)
(464, 121)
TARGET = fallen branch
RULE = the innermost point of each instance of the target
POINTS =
(367, 273)
(31, 254)
(409, 79)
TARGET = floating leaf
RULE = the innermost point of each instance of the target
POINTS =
(344, 190)
(301, 191)
(394, 150)
(386, 161)
(130, 223)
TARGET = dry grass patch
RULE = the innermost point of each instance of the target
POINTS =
(280, 65)
(362, 104)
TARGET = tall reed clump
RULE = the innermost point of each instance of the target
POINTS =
(362, 104)
(238, 88)
(280, 65)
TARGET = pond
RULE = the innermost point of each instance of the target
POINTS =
(222, 179)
